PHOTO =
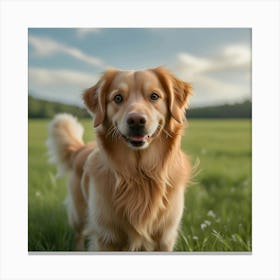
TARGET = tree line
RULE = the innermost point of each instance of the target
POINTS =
(39, 108)
(242, 110)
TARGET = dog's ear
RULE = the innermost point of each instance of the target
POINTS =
(178, 92)
(95, 97)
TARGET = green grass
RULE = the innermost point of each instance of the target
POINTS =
(217, 215)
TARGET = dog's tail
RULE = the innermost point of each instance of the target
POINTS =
(64, 138)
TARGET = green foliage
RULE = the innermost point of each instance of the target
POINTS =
(38, 108)
(241, 110)
(217, 215)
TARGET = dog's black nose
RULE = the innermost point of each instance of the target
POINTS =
(136, 120)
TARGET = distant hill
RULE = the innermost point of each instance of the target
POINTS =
(238, 110)
(39, 108)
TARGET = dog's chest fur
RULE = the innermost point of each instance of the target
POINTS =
(137, 193)
(140, 200)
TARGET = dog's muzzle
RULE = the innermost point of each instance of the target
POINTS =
(136, 129)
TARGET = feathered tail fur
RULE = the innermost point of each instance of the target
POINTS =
(64, 138)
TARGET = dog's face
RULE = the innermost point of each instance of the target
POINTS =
(136, 105)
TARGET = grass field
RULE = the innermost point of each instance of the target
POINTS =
(218, 204)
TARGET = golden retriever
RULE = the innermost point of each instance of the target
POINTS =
(126, 191)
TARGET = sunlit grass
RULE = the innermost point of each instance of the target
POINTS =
(217, 214)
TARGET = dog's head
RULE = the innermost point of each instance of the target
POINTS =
(137, 105)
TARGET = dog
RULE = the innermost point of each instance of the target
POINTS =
(126, 190)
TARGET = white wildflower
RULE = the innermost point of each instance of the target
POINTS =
(211, 214)
(208, 223)
(203, 226)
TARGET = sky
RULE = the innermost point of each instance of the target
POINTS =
(63, 62)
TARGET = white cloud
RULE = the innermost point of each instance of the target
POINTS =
(211, 91)
(45, 77)
(238, 56)
(62, 85)
(46, 47)
(83, 32)
(233, 57)
(217, 79)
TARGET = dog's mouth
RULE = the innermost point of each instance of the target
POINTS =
(139, 139)
(136, 141)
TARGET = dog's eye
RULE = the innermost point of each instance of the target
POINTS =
(154, 96)
(118, 98)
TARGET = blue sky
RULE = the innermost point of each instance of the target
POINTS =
(65, 61)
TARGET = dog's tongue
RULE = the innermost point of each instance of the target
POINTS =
(137, 138)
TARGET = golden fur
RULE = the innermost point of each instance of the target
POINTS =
(120, 196)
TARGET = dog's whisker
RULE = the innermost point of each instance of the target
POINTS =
(167, 133)
(110, 130)
(115, 133)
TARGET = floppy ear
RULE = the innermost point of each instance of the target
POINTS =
(95, 97)
(178, 92)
